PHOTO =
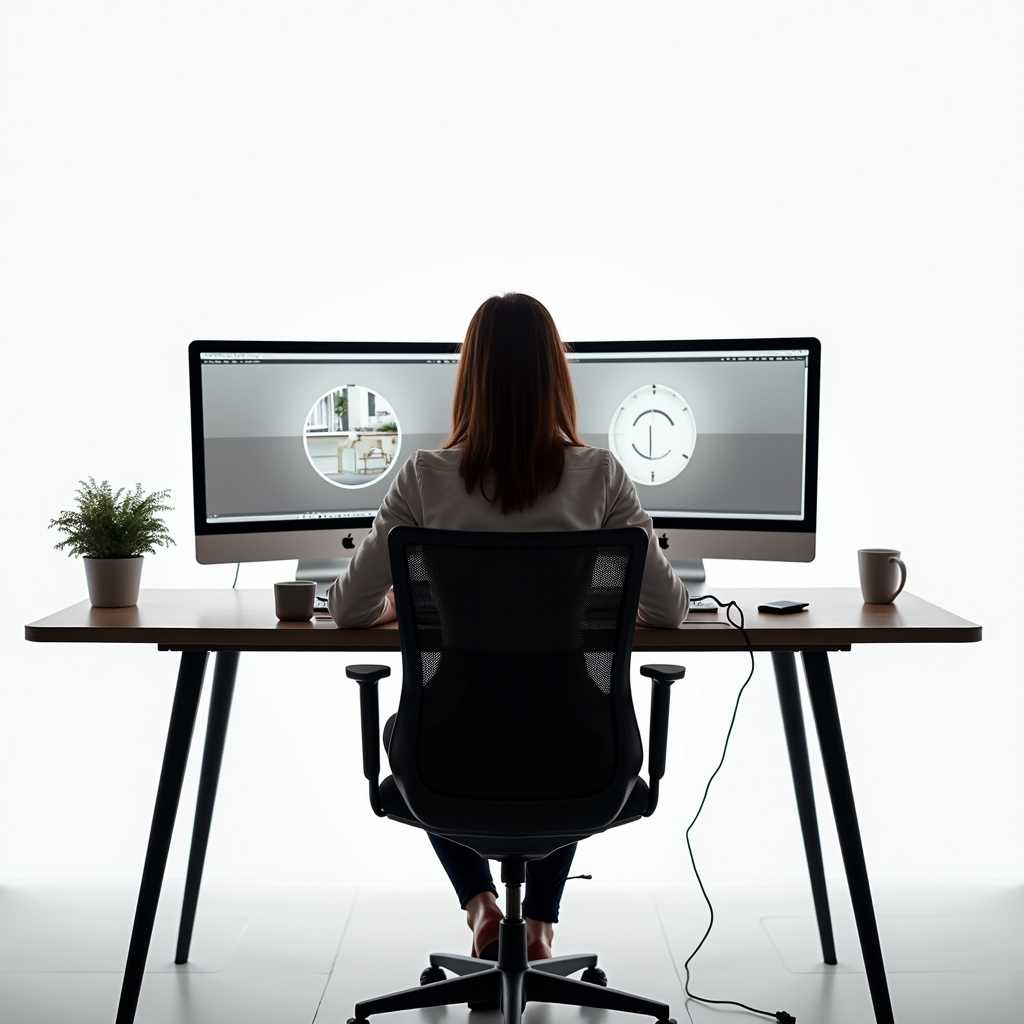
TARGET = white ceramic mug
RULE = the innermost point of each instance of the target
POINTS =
(293, 600)
(882, 574)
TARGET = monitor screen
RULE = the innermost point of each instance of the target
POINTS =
(296, 441)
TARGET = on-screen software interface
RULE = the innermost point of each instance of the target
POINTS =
(298, 435)
(291, 435)
(703, 434)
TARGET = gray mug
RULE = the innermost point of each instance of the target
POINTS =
(293, 600)
(882, 574)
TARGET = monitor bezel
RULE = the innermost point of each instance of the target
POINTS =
(806, 525)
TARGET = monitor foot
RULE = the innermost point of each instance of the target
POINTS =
(323, 572)
(689, 570)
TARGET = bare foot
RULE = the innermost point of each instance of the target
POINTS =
(539, 937)
(483, 915)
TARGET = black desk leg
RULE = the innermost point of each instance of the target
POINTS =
(168, 792)
(788, 686)
(225, 668)
(837, 772)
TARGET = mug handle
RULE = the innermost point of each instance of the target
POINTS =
(903, 577)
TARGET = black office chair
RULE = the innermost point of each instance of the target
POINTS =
(532, 634)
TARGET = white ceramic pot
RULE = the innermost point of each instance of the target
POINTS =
(113, 582)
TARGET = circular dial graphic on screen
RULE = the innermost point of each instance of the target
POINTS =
(652, 434)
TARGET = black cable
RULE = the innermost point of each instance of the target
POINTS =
(237, 567)
(780, 1015)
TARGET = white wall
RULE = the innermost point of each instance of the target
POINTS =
(375, 170)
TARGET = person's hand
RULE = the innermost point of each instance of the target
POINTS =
(389, 614)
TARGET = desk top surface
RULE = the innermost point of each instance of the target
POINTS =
(245, 620)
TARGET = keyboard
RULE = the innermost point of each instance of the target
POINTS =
(703, 605)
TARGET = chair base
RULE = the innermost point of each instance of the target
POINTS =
(511, 982)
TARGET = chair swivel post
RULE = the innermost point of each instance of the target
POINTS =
(512, 929)
(513, 875)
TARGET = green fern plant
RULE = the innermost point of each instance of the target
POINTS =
(107, 525)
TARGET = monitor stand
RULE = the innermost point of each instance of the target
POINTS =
(323, 571)
(689, 570)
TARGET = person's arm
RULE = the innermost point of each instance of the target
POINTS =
(389, 614)
(664, 601)
(360, 596)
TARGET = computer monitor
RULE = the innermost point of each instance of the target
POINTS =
(296, 443)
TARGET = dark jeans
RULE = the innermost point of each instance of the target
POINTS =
(471, 874)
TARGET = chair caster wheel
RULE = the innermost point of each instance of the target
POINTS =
(357, 1020)
(595, 976)
(427, 977)
(667, 1020)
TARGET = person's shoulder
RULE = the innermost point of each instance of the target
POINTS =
(423, 476)
(582, 460)
(425, 465)
(444, 460)
(595, 461)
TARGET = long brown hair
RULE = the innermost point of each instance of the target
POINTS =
(515, 410)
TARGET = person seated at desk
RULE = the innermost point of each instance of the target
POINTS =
(513, 462)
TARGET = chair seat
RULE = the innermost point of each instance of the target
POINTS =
(394, 807)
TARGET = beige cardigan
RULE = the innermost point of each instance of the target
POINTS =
(595, 494)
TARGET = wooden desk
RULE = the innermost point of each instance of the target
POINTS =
(226, 622)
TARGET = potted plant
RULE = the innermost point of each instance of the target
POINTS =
(112, 531)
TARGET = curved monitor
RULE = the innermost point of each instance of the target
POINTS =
(295, 443)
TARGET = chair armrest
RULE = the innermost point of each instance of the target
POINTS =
(369, 717)
(662, 677)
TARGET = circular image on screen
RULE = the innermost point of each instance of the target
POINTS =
(352, 436)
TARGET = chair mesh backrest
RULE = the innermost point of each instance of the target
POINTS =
(517, 654)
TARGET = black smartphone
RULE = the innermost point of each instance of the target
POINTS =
(782, 607)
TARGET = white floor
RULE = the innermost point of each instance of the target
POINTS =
(294, 955)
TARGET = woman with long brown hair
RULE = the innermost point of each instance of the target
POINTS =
(514, 461)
